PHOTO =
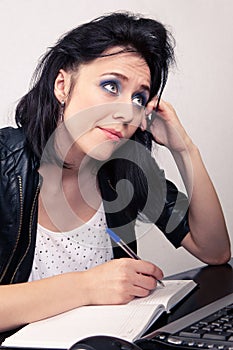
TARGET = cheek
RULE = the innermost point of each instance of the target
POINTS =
(131, 130)
(82, 98)
(136, 123)
(75, 106)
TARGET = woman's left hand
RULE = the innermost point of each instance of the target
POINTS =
(166, 128)
(208, 240)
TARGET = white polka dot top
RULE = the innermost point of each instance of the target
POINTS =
(80, 249)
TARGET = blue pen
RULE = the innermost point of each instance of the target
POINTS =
(126, 248)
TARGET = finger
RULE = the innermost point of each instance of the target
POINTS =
(139, 292)
(165, 107)
(143, 124)
(151, 105)
(147, 268)
(145, 281)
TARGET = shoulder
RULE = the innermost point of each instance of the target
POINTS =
(15, 148)
(11, 140)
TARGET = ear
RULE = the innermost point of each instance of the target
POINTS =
(62, 85)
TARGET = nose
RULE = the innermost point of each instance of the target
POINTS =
(126, 113)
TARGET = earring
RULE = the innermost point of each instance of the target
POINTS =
(62, 108)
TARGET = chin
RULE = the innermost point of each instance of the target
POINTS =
(100, 156)
(103, 152)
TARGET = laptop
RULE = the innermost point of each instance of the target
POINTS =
(210, 327)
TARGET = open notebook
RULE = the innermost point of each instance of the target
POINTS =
(128, 321)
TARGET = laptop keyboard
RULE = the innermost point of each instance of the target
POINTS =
(212, 332)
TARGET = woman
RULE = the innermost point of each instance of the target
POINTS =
(80, 161)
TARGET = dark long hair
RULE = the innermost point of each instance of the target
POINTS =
(38, 111)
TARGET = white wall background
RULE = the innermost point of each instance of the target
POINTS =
(200, 87)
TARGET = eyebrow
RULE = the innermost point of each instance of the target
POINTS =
(123, 77)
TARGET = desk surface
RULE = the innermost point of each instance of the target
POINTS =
(214, 282)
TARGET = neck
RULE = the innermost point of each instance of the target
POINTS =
(67, 149)
(69, 196)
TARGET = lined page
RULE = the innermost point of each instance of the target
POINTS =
(62, 331)
(173, 291)
(128, 321)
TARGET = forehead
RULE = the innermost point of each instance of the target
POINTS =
(116, 60)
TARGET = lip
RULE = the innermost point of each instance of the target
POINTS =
(112, 133)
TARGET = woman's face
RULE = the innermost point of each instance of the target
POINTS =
(107, 101)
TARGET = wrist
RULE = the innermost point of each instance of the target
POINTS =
(189, 149)
(80, 286)
(86, 284)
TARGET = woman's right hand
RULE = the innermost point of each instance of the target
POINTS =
(115, 282)
(119, 281)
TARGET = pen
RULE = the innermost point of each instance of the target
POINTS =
(126, 248)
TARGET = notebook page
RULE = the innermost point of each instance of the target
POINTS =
(162, 295)
(125, 321)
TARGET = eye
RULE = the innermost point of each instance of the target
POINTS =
(139, 100)
(111, 87)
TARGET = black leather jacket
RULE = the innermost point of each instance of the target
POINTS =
(19, 189)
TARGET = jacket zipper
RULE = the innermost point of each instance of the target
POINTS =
(20, 224)
(30, 231)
